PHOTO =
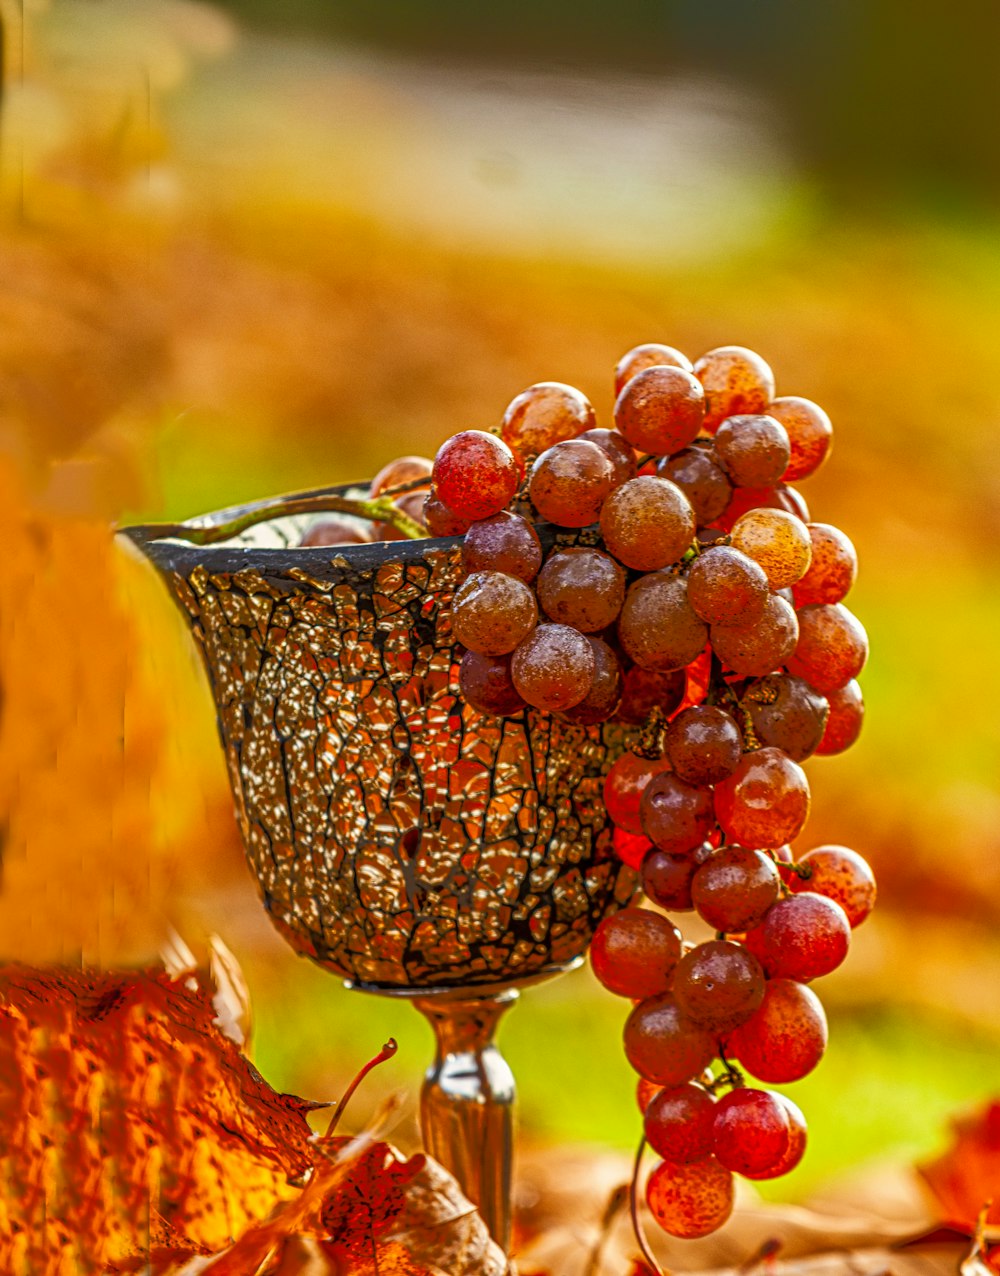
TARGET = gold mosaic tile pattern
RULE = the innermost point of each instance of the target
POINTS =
(399, 837)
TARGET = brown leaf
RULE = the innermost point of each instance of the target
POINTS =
(967, 1176)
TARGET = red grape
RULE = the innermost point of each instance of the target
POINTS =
(679, 1122)
(544, 414)
(631, 848)
(756, 648)
(765, 802)
(492, 613)
(646, 689)
(841, 875)
(660, 410)
(570, 482)
(634, 953)
(621, 456)
(751, 1131)
(657, 626)
(753, 450)
(666, 878)
(662, 1045)
(504, 542)
(843, 726)
(403, 470)
(475, 474)
(649, 355)
(832, 647)
(775, 498)
(439, 519)
(726, 587)
(581, 587)
(697, 472)
(676, 817)
(645, 1092)
(832, 570)
(718, 985)
(736, 380)
(785, 1038)
(734, 888)
(486, 684)
(692, 1199)
(553, 668)
(624, 786)
(802, 937)
(605, 692)
(796, 1143)
(335, 531)
(647, 523)
(778, 541)
(810, 434)
(787, 714)
(704, 745)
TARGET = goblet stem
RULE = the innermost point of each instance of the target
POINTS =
(467, 1103)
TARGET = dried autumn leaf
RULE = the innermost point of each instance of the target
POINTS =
(129, 1122)
(967, 1176)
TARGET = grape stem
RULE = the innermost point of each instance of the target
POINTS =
(633, 1205)
(412, 485)
(380, 510)
(387, 1051)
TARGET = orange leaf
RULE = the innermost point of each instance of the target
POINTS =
(967, 1176)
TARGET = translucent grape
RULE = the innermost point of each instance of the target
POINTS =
(505, 542)
(810, 434)
(335, 531)
(440, 521)
(624, 786)
(776, 498)
(802, 937)
(753, 450)
(667, 879)
(718, 985)
(544, 414)
(690, 1200)
(570, 482)
(847, 714)
(553, 667)
(657, 627)
(678, 1122)
(634, 953)
(704, 745)
(485, 683)
(646, 689)
(581, 587)
(787, 714)
(605, 692)
(726, 587)
(493, 612)
(785, 1038)
(412, 504)
(647, 523)
(697, 472)
(833, 569)
(662, 1045)
(751, 1131)
(841, 875)
(736, 381)
(660, 410)
(734, 888)
(832, 647)
(676, 817)
(797, 1135)
(620, 454)
(649, 355)
(778, 541)
(475, 474)
(756, 648)
(405, 469)
(765, 802)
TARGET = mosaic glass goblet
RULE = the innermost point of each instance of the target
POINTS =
(399, 838)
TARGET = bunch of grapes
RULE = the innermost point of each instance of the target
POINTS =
(700, 606)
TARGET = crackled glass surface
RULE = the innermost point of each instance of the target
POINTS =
(399, 837)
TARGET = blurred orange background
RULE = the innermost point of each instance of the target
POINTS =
(246, 251)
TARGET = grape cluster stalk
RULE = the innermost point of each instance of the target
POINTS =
(705, 612)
